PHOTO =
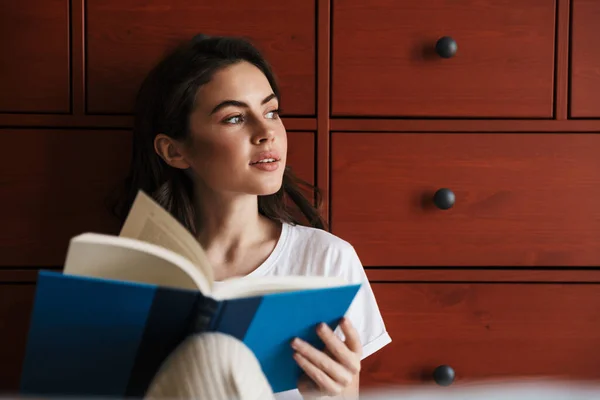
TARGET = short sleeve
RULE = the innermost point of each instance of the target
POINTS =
(364, 311)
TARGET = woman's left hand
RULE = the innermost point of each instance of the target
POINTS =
(334, 371)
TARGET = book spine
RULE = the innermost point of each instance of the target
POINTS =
(216, 321)
(203, 314)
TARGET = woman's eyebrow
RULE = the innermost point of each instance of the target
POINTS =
(238, 103)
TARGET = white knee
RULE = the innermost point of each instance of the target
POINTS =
(211, 366)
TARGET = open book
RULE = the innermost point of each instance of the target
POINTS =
(123, 304)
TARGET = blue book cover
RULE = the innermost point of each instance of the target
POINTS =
(92, 336)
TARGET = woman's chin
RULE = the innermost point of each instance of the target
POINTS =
(267, 189)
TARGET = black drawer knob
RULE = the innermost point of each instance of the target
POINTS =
(444, 199)
(443, 375)
(446, 47)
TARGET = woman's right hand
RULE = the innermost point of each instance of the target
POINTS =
(335, 371)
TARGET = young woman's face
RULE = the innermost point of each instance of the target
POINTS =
(239, 144)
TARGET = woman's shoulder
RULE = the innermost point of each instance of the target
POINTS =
(320, 252)
(318, 239)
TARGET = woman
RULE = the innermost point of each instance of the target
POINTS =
(210, 147)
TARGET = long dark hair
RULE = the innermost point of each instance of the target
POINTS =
(163, 105)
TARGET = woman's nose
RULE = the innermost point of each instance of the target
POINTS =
(263, 135)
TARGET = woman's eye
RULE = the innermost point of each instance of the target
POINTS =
(234, 120)
(273, 114)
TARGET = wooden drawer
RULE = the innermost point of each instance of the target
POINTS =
(301, 155)
(126, 38)
(58, 191)
(384, 61)
(34, 70)
(61, 189)
(585, 58)
(16, 303)
(486, 331)
(520, 199)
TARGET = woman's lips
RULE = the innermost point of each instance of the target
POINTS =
(265, 157)
(267, 165)
(266, 161)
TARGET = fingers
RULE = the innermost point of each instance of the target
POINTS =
(352, 337)
(339, 350)
(317, 375)
(334, 370)
(321, 366)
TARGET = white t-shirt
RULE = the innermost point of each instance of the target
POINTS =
(314, 252)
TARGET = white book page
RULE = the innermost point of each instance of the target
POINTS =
(149, 222)
(126, 259)
(246, 287)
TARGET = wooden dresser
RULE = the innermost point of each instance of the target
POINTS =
(457, 143)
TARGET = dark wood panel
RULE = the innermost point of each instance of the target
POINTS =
(406, 275)
(65, 121)
(585, 59)
(301, 157)
(34, 42)
(301, 154)
(521, 199)
(16, 303)
(53, 186)
(22, 275)
(486, 331)
(455, 125)
(78, 55)
(563, 19)
(323, 101)
(384, 61)
(125, 38)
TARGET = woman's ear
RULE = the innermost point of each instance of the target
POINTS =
(171, 151)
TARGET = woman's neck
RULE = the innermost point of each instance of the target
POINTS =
(234, 221)
(236, 238)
